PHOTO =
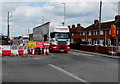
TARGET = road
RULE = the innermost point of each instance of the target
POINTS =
(60, 67)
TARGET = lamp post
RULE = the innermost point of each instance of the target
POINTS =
(64, 12)
(99, 22)
(8, 23)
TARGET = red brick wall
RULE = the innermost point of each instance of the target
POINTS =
(100, 49)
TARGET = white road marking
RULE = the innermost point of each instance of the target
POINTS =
(77, 53)
(68, 73)
(35, 58)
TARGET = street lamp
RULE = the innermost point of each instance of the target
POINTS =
(64, 12)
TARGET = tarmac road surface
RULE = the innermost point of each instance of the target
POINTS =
(60, 67)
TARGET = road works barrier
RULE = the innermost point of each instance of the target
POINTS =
(33, 47)
(6, 50)
(25, 52)
(36, 47)
(13, 50)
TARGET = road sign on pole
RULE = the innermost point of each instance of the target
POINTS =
(113, 30)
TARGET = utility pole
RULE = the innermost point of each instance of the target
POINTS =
(64, 12)
(99, 22)
(8, 31)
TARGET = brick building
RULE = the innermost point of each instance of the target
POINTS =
(89, 34)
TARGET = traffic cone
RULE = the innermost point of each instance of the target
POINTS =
(44, 53)
(24, 53)
(40, 50)
(48, 53)
(33, 52)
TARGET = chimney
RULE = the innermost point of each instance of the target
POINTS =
(73, 26)
(96, 21)
(117, 18)
(78, 25)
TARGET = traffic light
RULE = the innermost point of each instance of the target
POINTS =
(113, 30)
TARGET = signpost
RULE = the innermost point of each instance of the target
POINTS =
(113, 35)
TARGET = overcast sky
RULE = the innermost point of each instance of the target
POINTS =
(27, 14)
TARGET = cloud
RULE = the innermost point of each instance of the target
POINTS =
(29, 15)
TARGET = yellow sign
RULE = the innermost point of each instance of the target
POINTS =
(31, 43)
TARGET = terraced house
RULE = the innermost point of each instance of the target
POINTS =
(89, 34)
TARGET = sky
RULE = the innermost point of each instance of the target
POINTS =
(26, 15)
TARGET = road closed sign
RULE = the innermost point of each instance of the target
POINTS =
(31, 43)
(39, 44)
(46, 44)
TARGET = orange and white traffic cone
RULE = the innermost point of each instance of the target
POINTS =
(40, 50)
(0, 50)
(48, 53)
(24, 53)
(44, 52)
(33, 52)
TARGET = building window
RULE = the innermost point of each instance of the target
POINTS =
(80, 34)
(89, 41)
(83, 33)
(72, 34)
(101, 42)
(72, 40)
(101, 32)
(89, 33)
(109, 42)
(93, 32)
(96, 33)
(83, 40)
(117, 31)
(109, 31)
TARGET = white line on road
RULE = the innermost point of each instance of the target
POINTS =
(68, 73)
(35, 58)
(78, 53)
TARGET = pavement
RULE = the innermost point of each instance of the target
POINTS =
(97, 54)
